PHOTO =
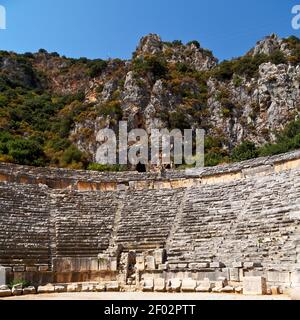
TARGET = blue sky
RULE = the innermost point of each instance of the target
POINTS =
(112, 28)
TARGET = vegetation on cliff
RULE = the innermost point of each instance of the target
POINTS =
(51, 106)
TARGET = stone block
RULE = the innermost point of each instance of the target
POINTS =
(122, 187)
(251, 265)
(188, 285)
(294, 294)
(17, 290)
(19, 268)
(88, 287)
(148, 285)
(49, 288)
(150, 263)
(160, 285)
(5, 293)
(234, 274)
(216, 265)
(60, 289)
(113, 286)
(217, 289)
(182, 265)
(225, 273)
(140, 262)
(100, 288)
(73, 287)
(278, 277)
(204, 286)
(274, 290)
(241, 274)
(43, 268)
(197, 266)
(113, 264)
(254, 285)
(31, 269)
(174, 285)
(221, 282)
(103, 262)
(94, 264)
(29, 290)
(163, 267)
(228, 289)
(160, 256)
(173, 266)
(295, 278)
(239, 290)
(4, 287)
(237, 265)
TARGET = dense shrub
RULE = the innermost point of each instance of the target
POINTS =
(247, 66)
(150, 64)
(112, 109)
(96, 67)
(287, 140)
(183, 67)
(178, 119)
(245, 151)
(194, 42)
(73, 158)
(294, 45)
(25, 152)
(177, 43)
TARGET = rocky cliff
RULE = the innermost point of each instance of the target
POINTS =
(165, 84)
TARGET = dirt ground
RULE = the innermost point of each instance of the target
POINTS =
(113, 296)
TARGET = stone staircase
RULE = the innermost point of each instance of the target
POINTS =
(147, 218)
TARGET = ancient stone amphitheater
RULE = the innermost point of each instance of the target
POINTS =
(231, 222)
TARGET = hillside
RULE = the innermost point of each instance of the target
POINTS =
(51, 107)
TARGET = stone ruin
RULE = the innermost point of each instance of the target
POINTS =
(233, 228)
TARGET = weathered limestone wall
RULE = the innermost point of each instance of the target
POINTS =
(229, 221)
(106, 182)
